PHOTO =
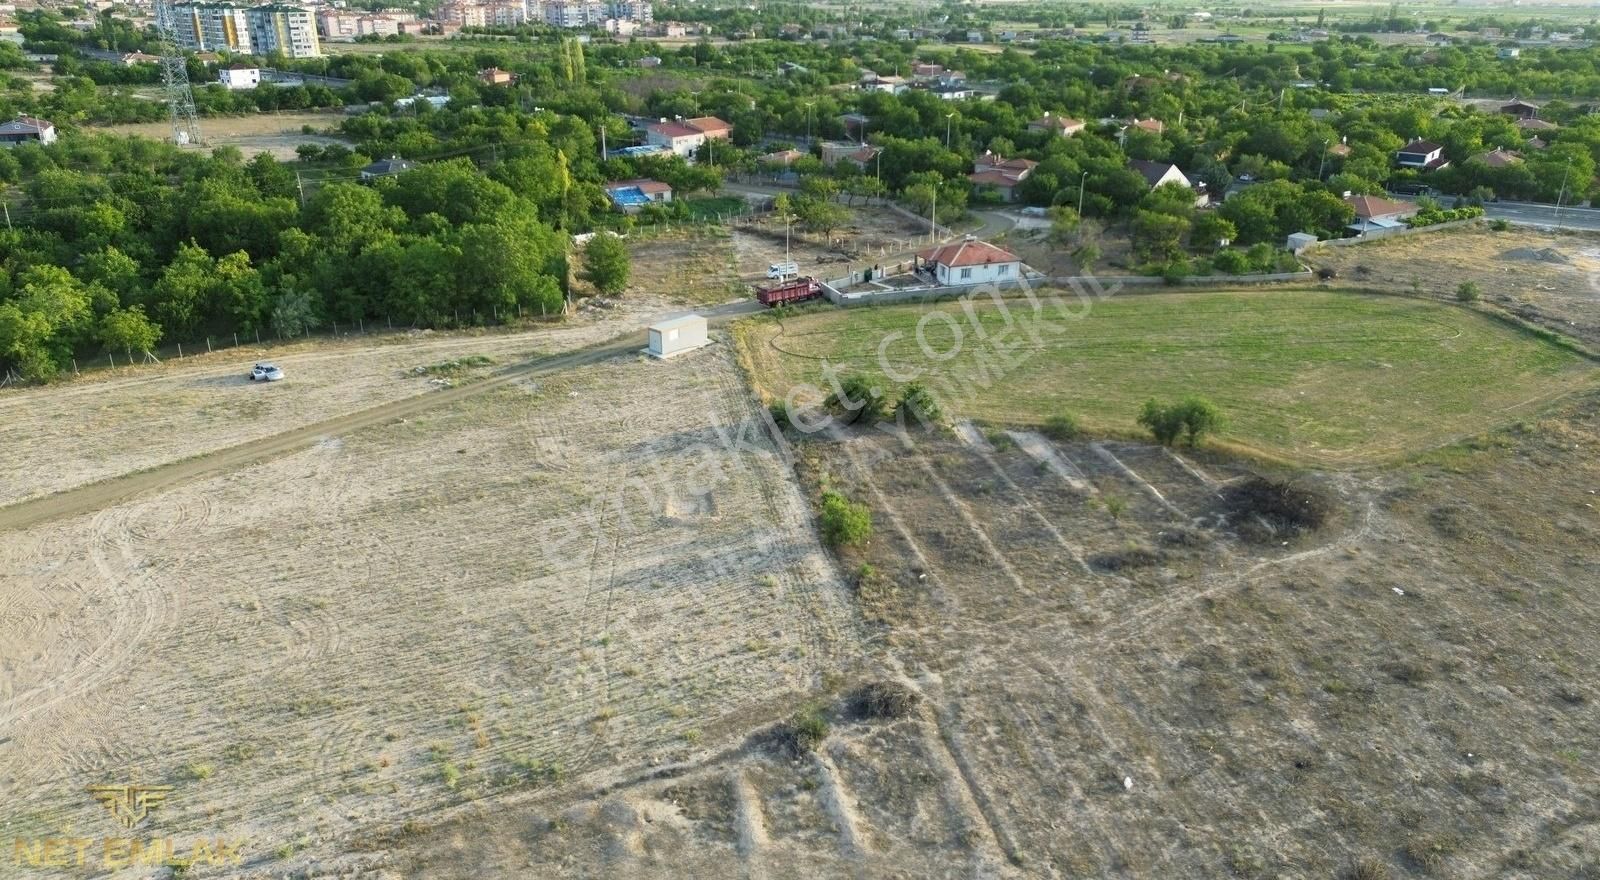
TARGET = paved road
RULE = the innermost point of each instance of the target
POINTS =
(95, 496)
(1543, 215)
(1533, 214)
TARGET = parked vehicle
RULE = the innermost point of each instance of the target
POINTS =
(266, 373)
(784, 292)
(779, 271)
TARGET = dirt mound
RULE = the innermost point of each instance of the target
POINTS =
(1538, 255)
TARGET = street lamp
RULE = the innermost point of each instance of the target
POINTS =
(1081, 181)
(809, 106)
(947, 118)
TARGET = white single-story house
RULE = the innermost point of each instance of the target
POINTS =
(970, 261)
(239, 76)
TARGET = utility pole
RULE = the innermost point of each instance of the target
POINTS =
(301, 186)
(602, 141)
(933, 219)
(1562, 194)
(7, 206)
(948, 117)
(1082, 179)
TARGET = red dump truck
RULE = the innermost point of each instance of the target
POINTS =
(785, 292)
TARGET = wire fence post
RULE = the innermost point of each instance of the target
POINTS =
(208, 345)
(111, 359)
(258, 336)
(361, 325)
(235, 340)
(180, 351)
(74, 366)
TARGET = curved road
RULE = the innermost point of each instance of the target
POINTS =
(94, 496)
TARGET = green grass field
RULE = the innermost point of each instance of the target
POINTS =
(1304, 376)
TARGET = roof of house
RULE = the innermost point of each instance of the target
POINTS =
(1154, 125)
(1368, 207)
(1536, 125)
(967, 252)
(707, 124)
(1153, 171)
(680, 321)
(642, 184)
(391, 165)
(1421, 146)
(994, 178)
(1013, 166)
(1340, 149)
(239, 65)
(785, 156)
(673, 129)
(865, 154)
(1518, 104)
(1061, 122)
(1537, 143)
(25, 124)
(1498, 157)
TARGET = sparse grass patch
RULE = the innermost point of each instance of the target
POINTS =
(199, 771)
(455, 367)
(804, 731)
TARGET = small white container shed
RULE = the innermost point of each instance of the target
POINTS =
(677, 335)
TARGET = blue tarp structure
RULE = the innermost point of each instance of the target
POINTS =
(629, 197)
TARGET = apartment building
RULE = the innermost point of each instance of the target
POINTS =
(246, 30)
(288, 30)
(205, 27)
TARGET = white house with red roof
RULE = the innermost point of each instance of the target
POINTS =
(969, 261)
(675, 136)
(24, 129)
(1377, 214)
(685, 136)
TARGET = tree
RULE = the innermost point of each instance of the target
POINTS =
(1157, 236)
(605, 263)
(1211, 231)
(857, 394)
(128, 330)
(1199, 417)
(820, 215)
(1164, 423)
(917, 402)
(1467, 292)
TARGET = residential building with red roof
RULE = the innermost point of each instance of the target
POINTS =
(969, 261)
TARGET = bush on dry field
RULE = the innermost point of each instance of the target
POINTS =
(804, 731)
(1063, 426)
(885, 699)
(844, 522)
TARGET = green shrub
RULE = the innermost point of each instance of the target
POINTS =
(1499, 225)
(1062, 426)
(919, 403)
(1467, 292)
(1191, 418)
(861, 393)
(805, 730)
(780, 414)
(844, 522)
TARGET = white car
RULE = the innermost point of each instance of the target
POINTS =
(266, 373)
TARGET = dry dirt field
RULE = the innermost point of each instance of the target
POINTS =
(1549, 278)
(555, 628)
(561, 578)
(112, 422)
(1170, 690)
(274, 133)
